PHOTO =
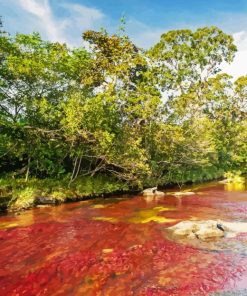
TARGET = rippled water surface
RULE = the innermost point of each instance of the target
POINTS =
(120, 246)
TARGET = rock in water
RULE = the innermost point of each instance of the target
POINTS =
(225, 181)
(208, 230)
(159, 193)
(181, 193)
(149, 191)
(152, 192)
(45, 200)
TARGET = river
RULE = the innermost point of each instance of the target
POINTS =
(120, 246)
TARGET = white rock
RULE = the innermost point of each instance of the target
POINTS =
(209, 229)
(149, 191)
(225, 181)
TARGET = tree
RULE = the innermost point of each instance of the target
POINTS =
(147, 117)
(36, 77)
(184, 60)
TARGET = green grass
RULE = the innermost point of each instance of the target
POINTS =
(17, 194)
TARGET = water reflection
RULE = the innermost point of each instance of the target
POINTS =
(240, 186)
(153, 199)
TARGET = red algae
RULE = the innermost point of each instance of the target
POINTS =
(71, 250)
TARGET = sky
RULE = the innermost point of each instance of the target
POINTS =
(146, 20)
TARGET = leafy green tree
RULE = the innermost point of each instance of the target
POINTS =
(146, 117)
(184, 60)
(36, 76)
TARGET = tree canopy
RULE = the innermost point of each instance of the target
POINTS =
(162, 115)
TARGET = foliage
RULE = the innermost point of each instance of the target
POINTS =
(165, 115)
(234, 177)
(18, 193)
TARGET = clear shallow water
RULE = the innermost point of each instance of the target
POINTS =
(121, 247)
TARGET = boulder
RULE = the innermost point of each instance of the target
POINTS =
(45, 200)
(153, 192)
(208, 230)
(185, 228)
(149, 191)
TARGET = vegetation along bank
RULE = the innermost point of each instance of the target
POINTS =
(113, 117)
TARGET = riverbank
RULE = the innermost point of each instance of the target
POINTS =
(19, 194)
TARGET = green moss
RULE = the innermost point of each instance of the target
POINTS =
(23, 198)
(59, 195)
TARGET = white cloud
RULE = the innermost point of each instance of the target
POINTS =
(79, 19)
(27, 16)
(44, 16)
(239, 66)
(83, 16)
(240, 38)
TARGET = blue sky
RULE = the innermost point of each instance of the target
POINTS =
(65, 20)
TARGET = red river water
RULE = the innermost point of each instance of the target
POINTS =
(120, 246)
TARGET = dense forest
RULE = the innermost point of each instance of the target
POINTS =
(117, 113)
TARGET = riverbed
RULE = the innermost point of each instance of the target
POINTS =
(120, 246)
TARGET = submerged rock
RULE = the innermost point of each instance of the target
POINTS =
(151, 215)
(208, 230)
(159, 193)
(106, 251)
(181, 193)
